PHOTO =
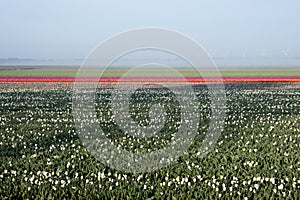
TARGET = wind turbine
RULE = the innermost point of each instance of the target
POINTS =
(285, 52)
(264, 52)
(244, 53)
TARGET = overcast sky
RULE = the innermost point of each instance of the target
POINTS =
(66, 29)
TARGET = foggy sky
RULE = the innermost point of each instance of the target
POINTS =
(67, 29)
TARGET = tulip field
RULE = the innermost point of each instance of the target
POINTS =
(257, 155)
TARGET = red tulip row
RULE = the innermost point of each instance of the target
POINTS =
(147, 79)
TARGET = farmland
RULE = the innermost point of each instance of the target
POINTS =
(71, 71)
(256, 156)
(69, 74)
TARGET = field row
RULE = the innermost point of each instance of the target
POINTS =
(149, 79)
(64, 72)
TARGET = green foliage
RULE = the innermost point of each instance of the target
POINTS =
(257, 155)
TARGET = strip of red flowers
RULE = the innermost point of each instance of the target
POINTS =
(147, 79)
